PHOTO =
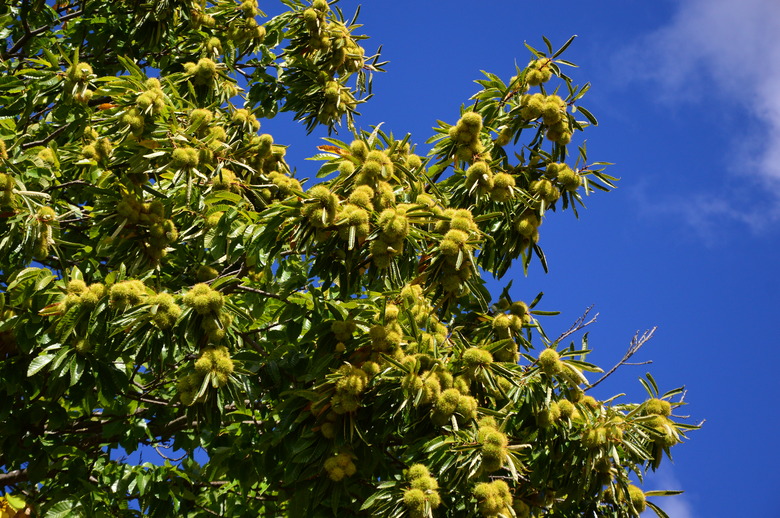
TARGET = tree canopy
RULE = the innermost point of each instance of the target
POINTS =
(314, 346)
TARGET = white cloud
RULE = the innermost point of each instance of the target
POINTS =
(677, 506)
(725, 52)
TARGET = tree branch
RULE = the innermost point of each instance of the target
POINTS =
(32, 33)
(13, 477)
(241, 287)
(46, 140)
(636, 343)
(578, 324)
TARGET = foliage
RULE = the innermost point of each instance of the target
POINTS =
(168, 283)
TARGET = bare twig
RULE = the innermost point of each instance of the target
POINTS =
(636, 343)
(241, 287)
(40, 30)
(164, 456)
(13, 477)
(578, 324)
(46, 140)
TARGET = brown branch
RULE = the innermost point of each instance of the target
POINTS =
(241, 287)
(46, 140)
(66, 185)
(578, 324)
(13, 477)
(40, 30)
(636, 343)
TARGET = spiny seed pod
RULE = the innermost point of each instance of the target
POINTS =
(204, 72)
(103, 148)
(567, 409)
(569, 179)
(549, 416)
(475, 357)
(135, 120)
(322, 211)
(340, 466)
(553, 110)
(417, 471)
(501, 322)
(203, 299)
(328, 430)
(521, 509)
(216, 326)
(264, 144)
(549, 361)
(431, 388)
(126, 293)
(413, 162)
(412, 383)
(477, 173)
(249, 8)
(637, 498)
(384, 197)
(76, 287)
(79, 73)
(145, 101)
(46, 215)
(167, 310)
(467, 407)
(503, 181)
(371, 368)
(545, 190)
(212, 220)
(359, 149)
(200, 117)
(595, 437)
(471, 120)
(206, 273)
(447, 402)
(527, 223)
(391, 312)
(226, 180)
(246, 118)
(532, 106)
(346, 167)
(520, 309)
(560, 132)
(47, 156)
(187, 387)
(590, 402)
(185, 158)
(658, 407)
(538, 72)
(414, 500)
(457, 237)
(394, 225)
(310, 18)
(493, 498)
(6, 182)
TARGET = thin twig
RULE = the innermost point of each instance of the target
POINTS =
(13, 477)
(30, 34)
(66, 185)
(164, 456)
(636, 343)
(578, 324)
(241, 287)
(46, 140)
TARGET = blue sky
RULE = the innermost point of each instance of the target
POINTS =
(687, 93)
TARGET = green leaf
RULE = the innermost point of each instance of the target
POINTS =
(38, 363)
(63, 509)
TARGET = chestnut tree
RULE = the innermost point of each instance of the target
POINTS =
(308, 347)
